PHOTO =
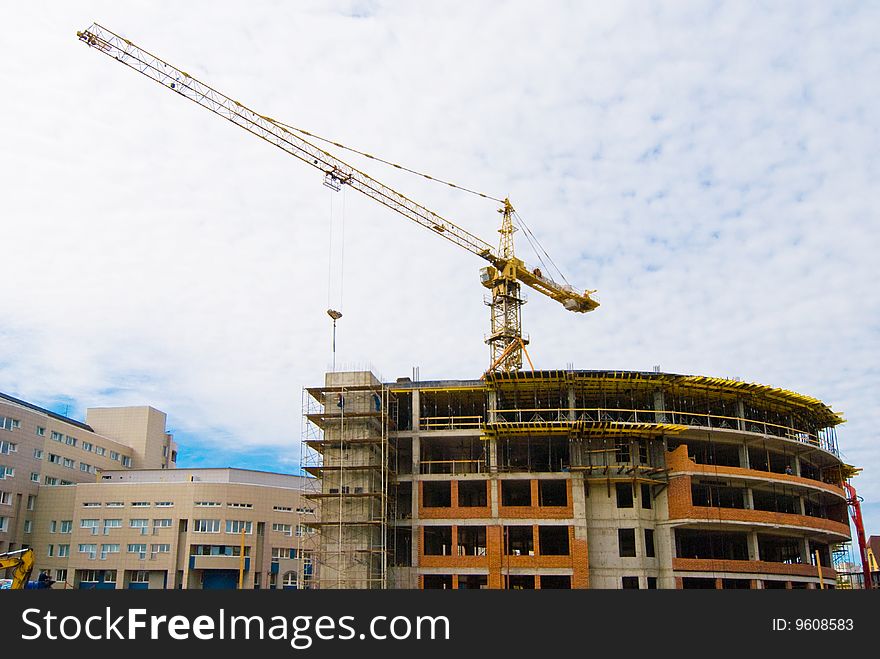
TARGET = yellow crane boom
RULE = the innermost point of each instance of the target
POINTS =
(502, 276)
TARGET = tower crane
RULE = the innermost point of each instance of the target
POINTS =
(504, 273)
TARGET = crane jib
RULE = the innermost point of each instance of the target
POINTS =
(503, 276)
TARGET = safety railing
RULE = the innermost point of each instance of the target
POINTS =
(821, 439)
(453, 466)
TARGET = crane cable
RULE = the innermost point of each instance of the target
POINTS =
(536, 246)
(530, 237)
(386, 162)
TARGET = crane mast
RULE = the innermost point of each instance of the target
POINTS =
(502, 276)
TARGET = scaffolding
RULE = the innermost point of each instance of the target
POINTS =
(345, 447)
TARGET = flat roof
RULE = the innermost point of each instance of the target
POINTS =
(41, 410)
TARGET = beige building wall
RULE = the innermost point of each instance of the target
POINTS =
(142, 428)
(40, 450)
(177, 529)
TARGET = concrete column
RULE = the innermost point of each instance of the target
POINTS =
(659, 406)
(801, 505)
(754, 554)
(744, 455)
(796, 465)
(740, 413)
(416, 410)
(416, 456)
(572, 415)
(806, 557)
(493, 403)
(749, 499)
(492, 454)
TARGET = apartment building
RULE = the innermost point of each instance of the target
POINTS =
(41, 450)
(177, 529)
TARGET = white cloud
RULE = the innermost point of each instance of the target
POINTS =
(708, 167)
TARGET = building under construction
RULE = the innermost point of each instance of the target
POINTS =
(573, 479)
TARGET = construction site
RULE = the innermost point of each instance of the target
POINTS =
(573, 479)
(547, 479)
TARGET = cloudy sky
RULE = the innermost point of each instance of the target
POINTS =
(709, 167)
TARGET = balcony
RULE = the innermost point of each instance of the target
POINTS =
(200, 562)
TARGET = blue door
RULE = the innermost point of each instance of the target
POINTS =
(220, 579)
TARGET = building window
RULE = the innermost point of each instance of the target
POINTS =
(238, 526)
(140, 504)
(279, 553)
(27, 525)
(518, 541)
(302, 529)
(50, 480)
(114, 455)
(114, 504)
(68, 463)
(140, 549)
(139, 524)
(289, 581)
(630, 583)
(286, 529)
(649, 543)
(437, 494)
(553, 540)
(35, 477)
(646, 496)
(54, 459)
(164, 504)
(31, 501)
(41, 431)
(91, 550)
(4, 524)
(166, 524)
(61, 575)
(108, 549)
(66, 526)
(57, 436)
(207, 504)
(63, 551)
(437, 540)
(7, 472)
(140, 576)
(126, 461)
(70, 441)
(38, 454)
(160, 549)
(50, 550)
(112, 524)
(99, 450)
(89, 524)
(9, 424)
(282, 509)
(87, 446)
(624, 495)
(5, 498)
(206, 526)
(626, 542)
(91, 504)
(240, 505)
(86, 467)
(516, 493)
(306, 511)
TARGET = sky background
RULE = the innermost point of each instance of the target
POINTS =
(710, 167)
